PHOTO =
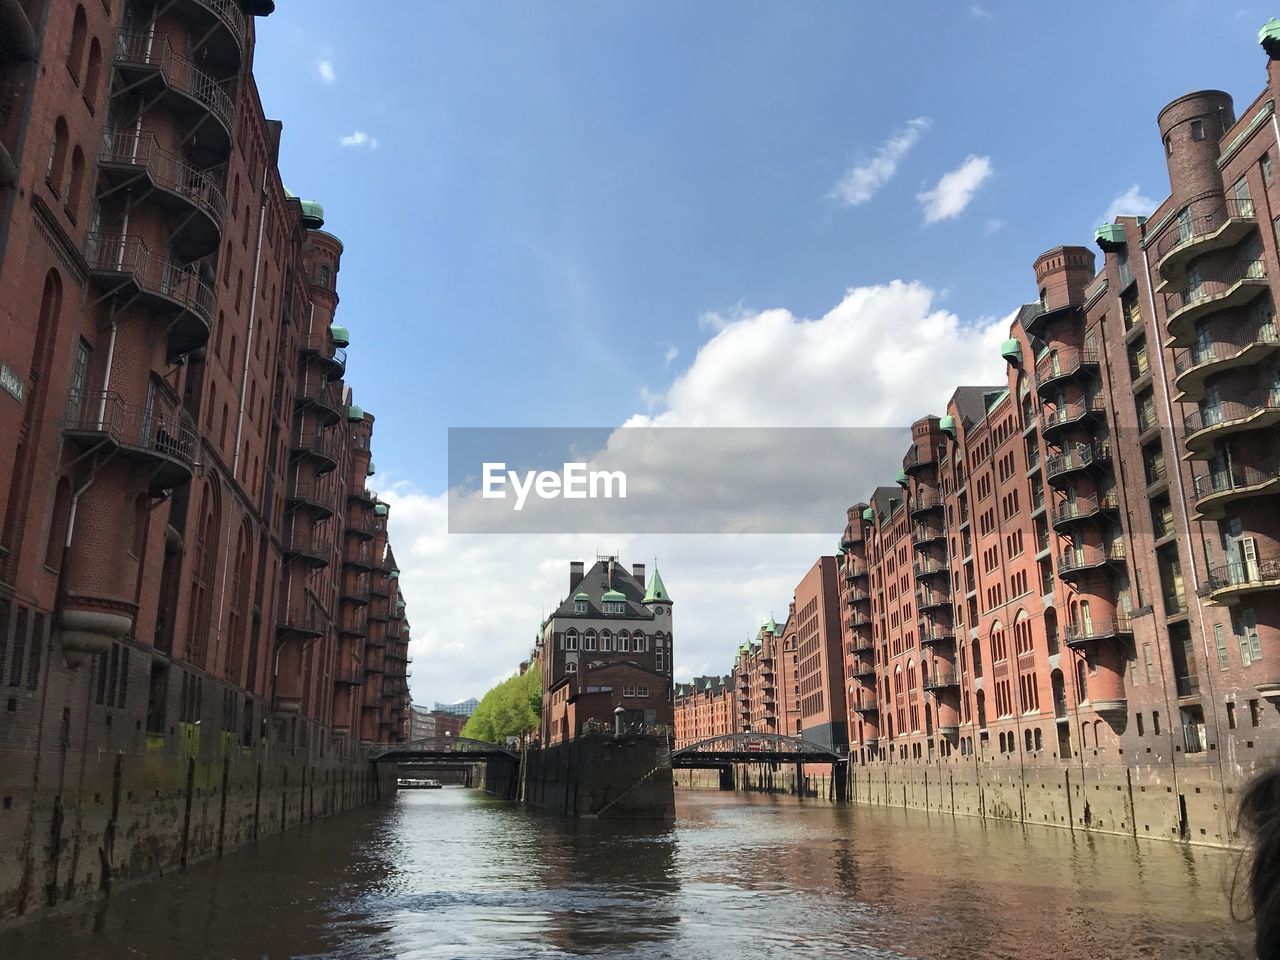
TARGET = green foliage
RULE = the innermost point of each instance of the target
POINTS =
(511, 709)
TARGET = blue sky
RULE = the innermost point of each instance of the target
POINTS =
(543, 202)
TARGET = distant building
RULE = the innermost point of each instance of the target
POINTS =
(607, 645)
(463, 708)
(425, 723)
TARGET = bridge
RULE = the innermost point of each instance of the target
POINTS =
(445, 751)
(751, 748)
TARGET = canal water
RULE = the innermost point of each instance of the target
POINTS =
(454, 873)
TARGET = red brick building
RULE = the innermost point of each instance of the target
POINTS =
(190, 557)
(608, 645)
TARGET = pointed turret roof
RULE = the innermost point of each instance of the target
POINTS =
(656, 591)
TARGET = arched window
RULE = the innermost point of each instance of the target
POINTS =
(79, 32)
(624, 642)
(589, 641)
(203, 569)
(93, 73)
(1027, 740)
(571, 640)
(639, 642)
(72, 204)
(1082, 682)
(606, 641)
(239, 604)
(58, 156)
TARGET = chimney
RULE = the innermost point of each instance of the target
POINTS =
(575, 575)
(637, 571)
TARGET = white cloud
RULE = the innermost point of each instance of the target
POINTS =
(861, 181)
(952, 193)
(883, 356)
(359, 139)
(994, 225)
(669, 353)
(979, 12)
(324, 67)
(1130, 203)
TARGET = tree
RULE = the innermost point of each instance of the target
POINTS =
(510, 709)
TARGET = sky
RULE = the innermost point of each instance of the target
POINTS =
(734, 213)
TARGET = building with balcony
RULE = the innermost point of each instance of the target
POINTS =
(607, 646)
(185, 500)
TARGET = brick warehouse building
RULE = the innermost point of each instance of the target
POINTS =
(1067, 610)
(608, 644)
(1091, 627)
(199, 612)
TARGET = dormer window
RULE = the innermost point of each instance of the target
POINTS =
(579, 606)
(615, 606)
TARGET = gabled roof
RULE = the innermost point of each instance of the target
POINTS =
(595, 584)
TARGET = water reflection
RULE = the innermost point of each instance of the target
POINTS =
(453, 873)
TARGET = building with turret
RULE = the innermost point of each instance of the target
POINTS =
(608, 645)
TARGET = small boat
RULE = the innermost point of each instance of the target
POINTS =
(405, 783)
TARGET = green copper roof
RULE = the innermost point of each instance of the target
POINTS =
(312, 215)
(1269, 37)
(773, 627)
(371, 471)
(393, 572)
(1109, 235)
(656, 591)
(380, 509)
(580, 596)
(354, 413)
(947, 425)
(340, 336)
(399, 604)
(613, 595)
(869, 513)
(901, 478)
(1011, 350)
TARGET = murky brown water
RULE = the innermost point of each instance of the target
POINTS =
(453, 873)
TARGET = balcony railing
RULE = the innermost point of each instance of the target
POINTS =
(1187, 231)
(940, 680)
(323, 347)
(306, 620)
(320, 446)
(168, 171)
(926, 501)
(1205, 352)
(1065, 363)
(1244, 575)
(1087, 558)
(932, 598)
(1204, 292)
(309, 543)
(927, 566)
(1081, 456)
(315, 495)
(1239, 477)
(1070, 413)
(919, 457)
(153, 273)
(1082, 508)
(1098, 628)
(923, 533)
(1226, 413)
(139, 49)
(158, 430)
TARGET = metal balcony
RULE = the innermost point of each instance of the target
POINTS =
(322, 349)
(1074, 563)
(865, 708)
(323, 398)
(854, 595)
(359, 557)
(1071, 512)
(154, 69)
(1078, 635)
(918, 458)
(935, 634)
(1218, 488)
(1060, 366)
(940, 680)
(159, 435)
(184, 302)
(311, 496)
(925, 502)
(1246, 345)
(927, 567)
(1204, 428)
(220, 26)
(922, 535)
(862, 671)
(356, 593)
(1237, 285)
(308, 545)
(1069, 415)
(317, 447)
(360, 524)
(932, 599)
(351, 676)
(860, 644)
(132, 159)
(1083, 456)
(1225, 225)
(300, 621)
(1227, 584)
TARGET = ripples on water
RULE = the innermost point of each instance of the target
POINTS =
(453, 873)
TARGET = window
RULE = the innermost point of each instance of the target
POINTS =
(1246, 630)
(571, 641)
(1255, 717)
(1155, 721)
(76, 185)
(58, 156)
(657, 661)
(92, 74)
(589, 641)
(1197, 129)
(75, 52)
(571, 666)
(1231, 715)
(579, 606)
(1267, 173)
